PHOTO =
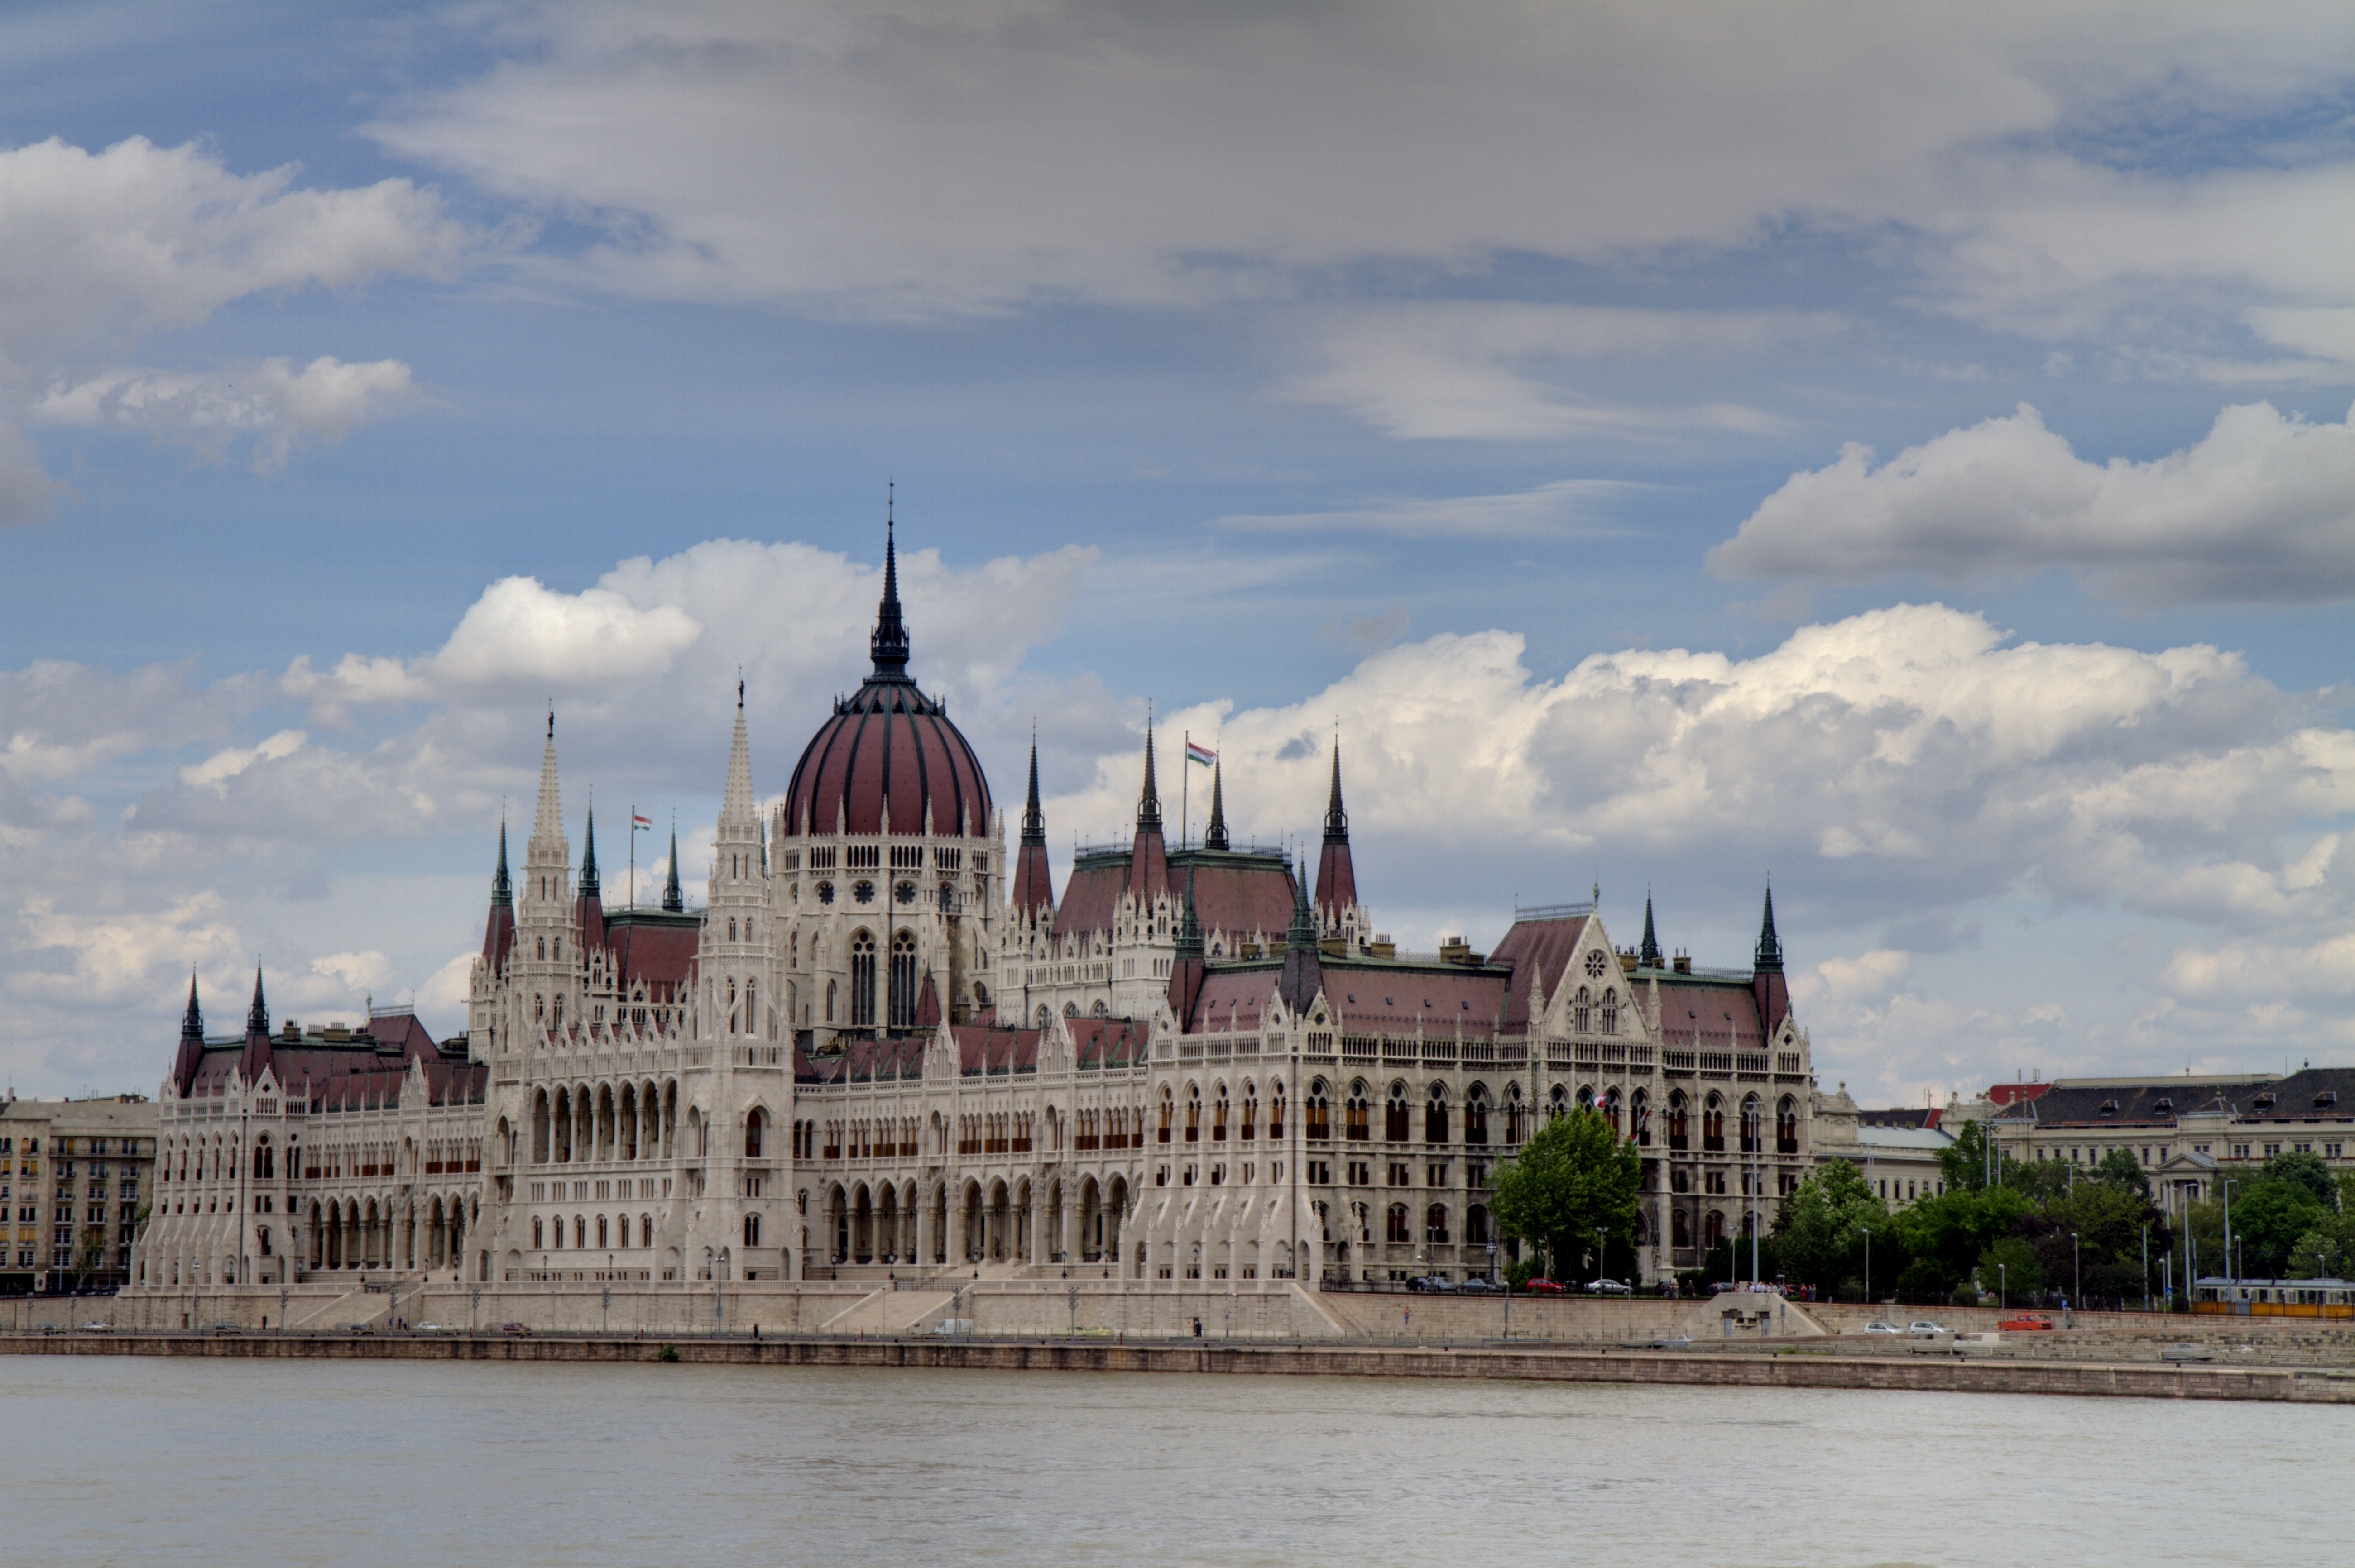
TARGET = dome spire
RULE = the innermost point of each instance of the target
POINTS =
(502, 887)
(1034, 820)
(890, 645)
(1770, 946)
(739, 818)
(1337, 821)
(257, 1017)
(1215, 837)
(192, 1023)
(548, 822)
(588, 887)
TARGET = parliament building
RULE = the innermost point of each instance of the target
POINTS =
(887, 1044)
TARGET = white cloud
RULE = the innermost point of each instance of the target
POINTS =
(2261, 509)
(1487, 372)
(914, 161)
(233, 760)
(103, 249)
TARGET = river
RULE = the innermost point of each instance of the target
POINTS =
(134, 1460)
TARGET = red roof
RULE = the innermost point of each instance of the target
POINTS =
(1108, 1042)
(891, 743)
(2016, 1094)
(986, 1050)
(1539, 947)
(1392, 999)
(1235, 896)
(1722, 1014)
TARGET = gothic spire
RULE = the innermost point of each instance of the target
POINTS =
(1034, 820)
(548, 822)
(1337, 821)
(890, 645)
(192, 1025)
(673, 900)
(1770, 946)
(738, 816)
(257, 1018)
(588, 888)
(1649, 957)
(1216, 837)
(1190, 931)
(502, 889)
(1303, 923)
(1148, 804)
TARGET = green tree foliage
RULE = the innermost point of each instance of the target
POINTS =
(1945, 1235)
(1575, 1175)
(2304, 1171)
(2119, 1168)
(2268, 1218)
(1819, 1234)
(2012, 1267)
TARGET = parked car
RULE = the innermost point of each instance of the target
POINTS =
(1922, 1328)
(515, 1328)
(1610, 1287)
(1480, 1285)
(226, 1328)
(431, 1328)
(98, 1328)
(1546, 1287)
(1436, 1283)
(1877, 1327)
(2026, 1323)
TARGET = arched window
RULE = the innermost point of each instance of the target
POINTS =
(602, 1238)
(862, 981)
(1639, 1117)
(1713, 1228)
(1475, 1114)
(1786, 1126)
(1219, 1116)
(1435, 1115)
(751, 1230)
(754, 1125)
(1357, 1110)
(580, 1230)
(1248, 1128)
(1679, 1133)
(1396, 1229)
(1610, 1013)
(1396, 1125)
(1320, 1114)
(1558, 1104)
(1611, 1108)
(622, 1232)
(903, 980)
(1193, 1113)
(538, 1240)
(1582, 1012)
(1679, 1229)
(1712, 1125)
(1752, 1132)
(829, 1001)
(1435, 1225)
(1517, 1115)
(1166, 1112)
(1476, 1226)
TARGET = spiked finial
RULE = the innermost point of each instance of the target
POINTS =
(502, 889)
(257, 1018)
(890, 645)
(192, 1024)
(1034, 819)
(1770, 946)
(1649, 956)
(588, 888)
(1337, 821)
(1148, 803)
(1215, 838)
(1190, 931)
(673, 899)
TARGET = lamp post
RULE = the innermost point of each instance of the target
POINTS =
(1868, 1264)
(1598, 1250)
(2076, 1270)
(2001, 1287)
(2228, 1236)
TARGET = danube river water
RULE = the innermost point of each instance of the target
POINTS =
(138, 1460)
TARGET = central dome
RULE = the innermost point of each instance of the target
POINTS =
(889, 750)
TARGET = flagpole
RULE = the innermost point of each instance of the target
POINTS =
(1185, 785)
(633, 858)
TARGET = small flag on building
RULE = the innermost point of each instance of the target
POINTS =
(1201, 754)
(638, 823)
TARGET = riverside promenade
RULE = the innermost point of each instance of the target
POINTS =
(1821, 1363)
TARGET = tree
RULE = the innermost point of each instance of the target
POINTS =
(1574, 1177)
(2304, 1170)
(2011, 1265)
(1819, 1235)
(2119, 1168)
(2267, 1221)
(1945, 1235)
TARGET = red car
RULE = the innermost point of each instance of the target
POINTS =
(1546, 1287)
(2026, 1322)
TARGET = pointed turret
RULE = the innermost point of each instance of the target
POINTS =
(547, 839)
(191, 1055)
(1337, 874)
(738, 817)
(1766, 982)
(257, 1017)
(1216, 837)
(890, 643)
(1187, 967)
(673, 900)
(1148, 863)
(255, 1057)
(1648, 956)
(499, 927)
(1033, 880)
(587, 884)
(1304, 968)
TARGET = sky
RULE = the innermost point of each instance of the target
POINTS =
(1902, 452)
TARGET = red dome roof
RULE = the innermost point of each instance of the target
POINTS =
(889, 743)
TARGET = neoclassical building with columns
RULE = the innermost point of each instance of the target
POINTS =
(885, 1044)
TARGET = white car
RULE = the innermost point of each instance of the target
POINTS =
(1877, 1327)
(1922, 1328)
(431, 1329)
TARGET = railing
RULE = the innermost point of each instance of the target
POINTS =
(1438, 1053)
(1678, 1060)
(1754, 1063)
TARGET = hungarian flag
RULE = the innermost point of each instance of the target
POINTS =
(1201, 754)
(636, 821)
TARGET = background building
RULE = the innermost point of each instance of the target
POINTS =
(76, 1180)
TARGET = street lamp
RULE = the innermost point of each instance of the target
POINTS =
(2001, 1287)
(2077, 1271)
(1868, 1263)
(1598, 1250)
